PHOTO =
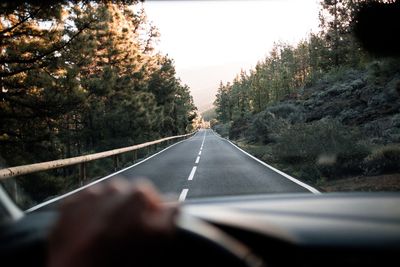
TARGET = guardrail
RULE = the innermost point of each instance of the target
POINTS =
(82, 160)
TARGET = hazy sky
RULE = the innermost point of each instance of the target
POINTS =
(212, 41)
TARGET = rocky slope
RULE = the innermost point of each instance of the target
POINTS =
(358, 98)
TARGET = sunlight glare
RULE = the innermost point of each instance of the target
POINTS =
(226, 36)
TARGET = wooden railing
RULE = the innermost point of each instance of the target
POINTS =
(82, 160)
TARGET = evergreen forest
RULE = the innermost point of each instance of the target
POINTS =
(325, 109)
(79, 77)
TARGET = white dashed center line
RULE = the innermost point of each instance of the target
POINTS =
(191, 175)
(185, 191)
(202, 143)
(183, 194)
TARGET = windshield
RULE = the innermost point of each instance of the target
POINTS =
(258, 97)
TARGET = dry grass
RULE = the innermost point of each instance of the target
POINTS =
(387, 182)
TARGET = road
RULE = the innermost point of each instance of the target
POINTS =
(202, 166)
(208, 165)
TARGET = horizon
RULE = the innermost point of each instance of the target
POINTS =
(206, 52)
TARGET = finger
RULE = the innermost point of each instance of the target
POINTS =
(150, 191)
(91, 192)
(117, 186)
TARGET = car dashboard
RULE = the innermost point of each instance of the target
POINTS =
(342, 229)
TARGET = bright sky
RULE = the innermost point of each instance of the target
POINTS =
(212, 41)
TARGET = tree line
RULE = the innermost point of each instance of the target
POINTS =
(287, 69)
(82, 76)
(309, 109)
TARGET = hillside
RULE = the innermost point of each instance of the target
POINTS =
(323, 110)
(341, 132)
(368, 99)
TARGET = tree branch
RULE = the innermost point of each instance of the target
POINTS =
(33, 60)
(21, 22)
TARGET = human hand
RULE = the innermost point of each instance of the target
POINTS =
(115, 224)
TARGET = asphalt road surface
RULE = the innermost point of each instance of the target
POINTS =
(208, 165)
(202, 166)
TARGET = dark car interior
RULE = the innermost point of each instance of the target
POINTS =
(336, 229)
(304, 230)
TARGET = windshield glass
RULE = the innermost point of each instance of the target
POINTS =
(260, 97)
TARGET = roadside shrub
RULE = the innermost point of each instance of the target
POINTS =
(307, 172)
(239, 128)
(288, 111)
(326, 145)
(341, 74)
(256, 150)
(222, 129)
(348, 162)
(379, 71)
(265, 127)
(383, 160)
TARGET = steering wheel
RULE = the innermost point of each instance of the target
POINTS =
(196, 243)
(218, 248)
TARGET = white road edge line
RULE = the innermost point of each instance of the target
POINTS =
(100, 180)
(200, 153)
(217, 134)
(183, 195)
(191, 175)
(308, 187)
(197, 160)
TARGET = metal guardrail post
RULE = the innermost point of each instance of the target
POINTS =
(134, 155)
(116, 162)
(82, 173)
